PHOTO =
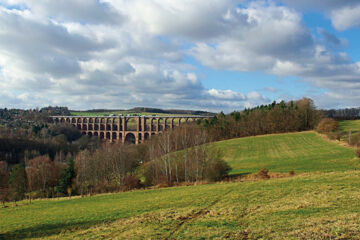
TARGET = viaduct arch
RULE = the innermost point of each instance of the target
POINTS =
(116, 129)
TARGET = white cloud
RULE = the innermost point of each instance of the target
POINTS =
(263, 35)
(344, 14)
(346, 17)
(121, 53)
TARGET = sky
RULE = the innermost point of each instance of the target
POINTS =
(212, 55)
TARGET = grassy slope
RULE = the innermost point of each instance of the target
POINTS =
(301, 152)
(349, 125)
(309, 206)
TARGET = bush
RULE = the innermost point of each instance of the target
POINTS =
(132, 182)
(334, 135)
(327, 125)
(358, 153)
(217, 170)
(354, 139)
(263, 174)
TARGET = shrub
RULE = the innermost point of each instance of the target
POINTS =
(354, 139)
(132, 182)
(327, 125)
(217, 169)
(263, 174)
(334, 135)
(358, 152)
(292, 173)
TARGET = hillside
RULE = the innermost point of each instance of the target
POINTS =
(349, 125)
(319, 202)
(301, 152)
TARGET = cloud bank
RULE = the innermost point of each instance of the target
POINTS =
(122, 53)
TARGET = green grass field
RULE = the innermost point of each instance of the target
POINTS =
(320, 202)
(301, 152)
(349, 125)
(310, 206)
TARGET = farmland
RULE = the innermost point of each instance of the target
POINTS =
(349, 125)
(301, 152)
(320, 201)
(313, 206)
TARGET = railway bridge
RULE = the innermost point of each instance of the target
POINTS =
(135, 129)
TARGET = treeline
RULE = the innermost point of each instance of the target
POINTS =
(18, 145)
(343, 114)
(266, 119)
(177, 156)
(19, 118)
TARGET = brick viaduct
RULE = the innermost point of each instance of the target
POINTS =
(115, 129)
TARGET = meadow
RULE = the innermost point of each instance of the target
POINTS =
(320, 202)
(299, 152)
(308, 206)
(349, 125)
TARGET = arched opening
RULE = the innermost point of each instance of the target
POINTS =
(146, 136)
(131, 124)
(102, 127)
(151, 124)
(90, 127)
(90, 134)
(96, 127)
(161, 124)
(79, 126)
(62, 120)
(73, 120)
(108, 127)
(108, 135)
(130, 138)
(102, 136)
(84, 127)
(114, 127)
(165, 124)
(96, 134)
(114, 136)
(140, 136)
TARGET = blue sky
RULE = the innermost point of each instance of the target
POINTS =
(216, 55)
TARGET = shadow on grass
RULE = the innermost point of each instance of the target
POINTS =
(237, 176)
(46, 230)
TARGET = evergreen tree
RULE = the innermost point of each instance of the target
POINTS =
(67, 177)
(18, 182)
